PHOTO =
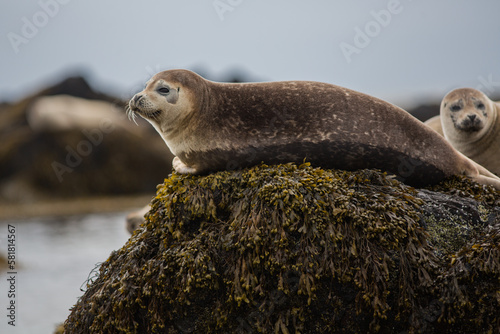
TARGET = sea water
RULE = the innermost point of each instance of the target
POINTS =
(50, 261)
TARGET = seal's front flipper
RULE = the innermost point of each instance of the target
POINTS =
(181, 167)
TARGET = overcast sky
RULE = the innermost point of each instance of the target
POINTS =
(402, 51)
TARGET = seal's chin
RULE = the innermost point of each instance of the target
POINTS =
(148, 113)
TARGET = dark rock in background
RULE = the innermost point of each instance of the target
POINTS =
(424, 112)
(76, 86)
(43, 165)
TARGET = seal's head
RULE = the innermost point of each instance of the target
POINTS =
(167, 99)
(466, 112)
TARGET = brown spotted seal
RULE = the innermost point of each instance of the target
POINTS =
(136, 218)
(65, 112)
(211, 126)
(471, 123)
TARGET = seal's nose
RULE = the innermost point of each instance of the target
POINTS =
(471, 117)
(136, 98)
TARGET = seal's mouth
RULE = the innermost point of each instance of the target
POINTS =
(146, 114)
(137, 106)
(133, 110)
(470, 125)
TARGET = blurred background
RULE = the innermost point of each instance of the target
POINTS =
(72, 166)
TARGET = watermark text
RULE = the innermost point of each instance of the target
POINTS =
(31, 26)
(11, 275)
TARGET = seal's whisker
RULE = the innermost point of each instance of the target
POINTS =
(130, 114)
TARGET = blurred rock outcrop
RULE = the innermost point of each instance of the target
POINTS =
(424, 112)
(288, 249)
(82, 158)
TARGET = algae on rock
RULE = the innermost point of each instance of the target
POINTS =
(296, 249)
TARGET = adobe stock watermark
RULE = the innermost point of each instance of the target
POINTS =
(31, 25)
(487, 85)
(84, 148)
(363, 36)
(12, 289)
(223, 6)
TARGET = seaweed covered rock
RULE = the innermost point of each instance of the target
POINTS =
(296, 249)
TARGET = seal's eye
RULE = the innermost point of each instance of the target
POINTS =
(480, 106)
(456, 107)
(164, 90)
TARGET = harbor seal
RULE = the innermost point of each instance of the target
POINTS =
(435, 124)
(65, 112)
(471, 123)
(136, 218)
(211, 126)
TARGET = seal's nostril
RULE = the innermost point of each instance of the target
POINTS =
(472, 117)
(137, 98)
